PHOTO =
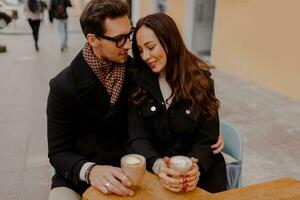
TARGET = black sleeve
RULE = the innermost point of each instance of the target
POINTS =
(207, 134)
(140, 140)
(68, 3)
(61, 135)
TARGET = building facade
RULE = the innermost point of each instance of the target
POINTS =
(256, 40)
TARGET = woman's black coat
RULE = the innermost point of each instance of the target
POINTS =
(82, 125)
(155, 132)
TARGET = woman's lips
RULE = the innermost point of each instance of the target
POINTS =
(152, 64)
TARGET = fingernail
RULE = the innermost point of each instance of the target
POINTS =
(131, 193)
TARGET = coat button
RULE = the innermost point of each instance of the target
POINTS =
(188, 111)
(162, 103)
(66, 175)
(153, 108)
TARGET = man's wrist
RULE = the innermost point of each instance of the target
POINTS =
(83, 170)
(87, 173)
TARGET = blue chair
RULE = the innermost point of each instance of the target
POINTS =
(232, 147)
(52, 171)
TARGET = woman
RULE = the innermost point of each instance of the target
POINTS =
(173, 108)
(34, 15)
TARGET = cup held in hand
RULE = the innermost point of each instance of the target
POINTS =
(181, 163)
(134, 167)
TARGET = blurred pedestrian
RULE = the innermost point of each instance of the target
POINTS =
(34, 15)
(59, 11)
(50, 14)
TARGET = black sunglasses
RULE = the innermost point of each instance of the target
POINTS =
(119, 40)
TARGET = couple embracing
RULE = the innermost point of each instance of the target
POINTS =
(158, 104)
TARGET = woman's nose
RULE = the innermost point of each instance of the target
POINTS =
(145, 55)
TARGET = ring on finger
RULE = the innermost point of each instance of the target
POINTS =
(107, 184)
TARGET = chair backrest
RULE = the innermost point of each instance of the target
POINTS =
(52, 171)
(232, 147)
(232, 140)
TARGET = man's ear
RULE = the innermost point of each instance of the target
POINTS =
(92, 40)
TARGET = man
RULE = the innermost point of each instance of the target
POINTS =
(87, 103)
(58, 10)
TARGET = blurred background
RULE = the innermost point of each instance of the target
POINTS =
(252, 45)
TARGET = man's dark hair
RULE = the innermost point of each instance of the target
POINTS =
(96, 11)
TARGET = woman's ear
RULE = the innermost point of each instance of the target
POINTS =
(92, 40)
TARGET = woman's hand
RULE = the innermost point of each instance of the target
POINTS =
(109, 180)
(191, 178)
(175, 181)
(218, 147)
(171, 179)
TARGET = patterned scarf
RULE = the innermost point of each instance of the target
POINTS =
(111, 75)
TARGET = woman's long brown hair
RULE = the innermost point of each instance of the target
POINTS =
(185, 73)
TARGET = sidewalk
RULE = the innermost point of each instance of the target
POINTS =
(21, 26)
(24, 78)
(268, 122)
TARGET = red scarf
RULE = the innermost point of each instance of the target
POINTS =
(111, 75)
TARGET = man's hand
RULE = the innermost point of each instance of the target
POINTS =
(218, 147)
(109, 180)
